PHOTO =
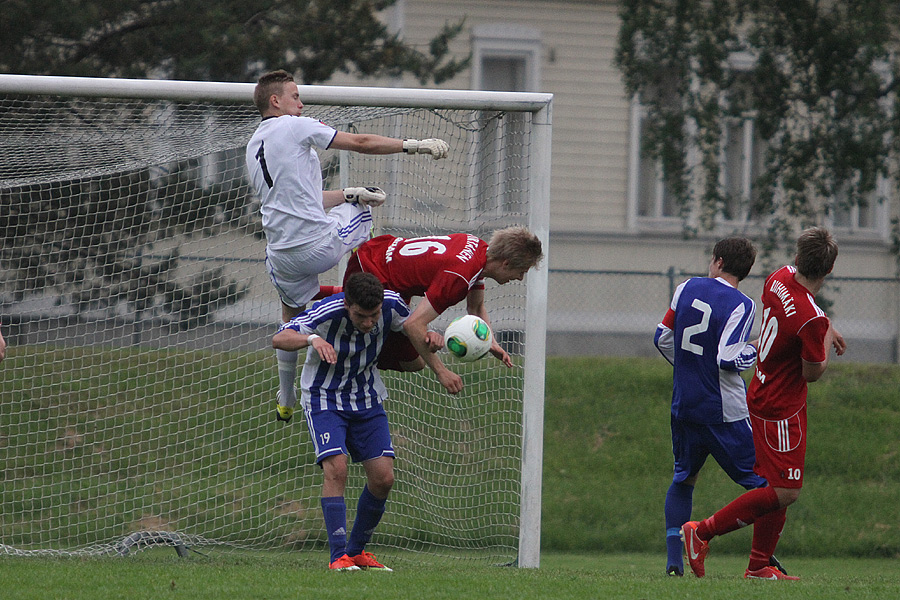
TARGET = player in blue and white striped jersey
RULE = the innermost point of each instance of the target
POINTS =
(705, 334)
(353, 382)
(342, 395)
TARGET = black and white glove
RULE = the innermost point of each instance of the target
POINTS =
(436, 148)
(367, 196)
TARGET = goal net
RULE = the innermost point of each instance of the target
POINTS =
(139, 382)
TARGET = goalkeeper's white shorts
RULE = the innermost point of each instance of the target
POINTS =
(295, 271)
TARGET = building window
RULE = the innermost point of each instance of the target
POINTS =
(648, 192)
(743, 157)
(505, 58)
(504, 73)
(869, 215)
(742, 160)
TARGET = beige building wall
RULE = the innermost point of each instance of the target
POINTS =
(590, 117)
(589, 214)
(592, 225)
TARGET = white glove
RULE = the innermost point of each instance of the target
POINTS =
(367, 196)
(436, 148)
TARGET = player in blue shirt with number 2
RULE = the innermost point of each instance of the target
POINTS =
(705, 334)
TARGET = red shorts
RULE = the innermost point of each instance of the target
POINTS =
(780, 449)
(397, 347)
(353, 266)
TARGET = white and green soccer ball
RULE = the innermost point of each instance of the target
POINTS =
(468, 338)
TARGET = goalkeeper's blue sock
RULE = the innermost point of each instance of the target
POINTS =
(335, 511)
(679, 503)
(368, 514)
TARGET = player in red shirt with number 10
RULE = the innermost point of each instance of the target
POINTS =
(794, 347)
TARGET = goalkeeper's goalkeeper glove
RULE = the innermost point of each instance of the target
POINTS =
(436, 148)
(367, 196)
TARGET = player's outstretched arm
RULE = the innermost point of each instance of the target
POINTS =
(416, 329)
(367, 143)
(434, 340)
(475, 306)
(436, 148)
(500, 354)
(367, 196)
(332, 198)
(447, 378)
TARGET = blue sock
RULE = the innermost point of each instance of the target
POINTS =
(679, 502)
(335, 511)
(368, 514)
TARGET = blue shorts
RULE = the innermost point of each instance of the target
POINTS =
(730, 444)
(361, 434)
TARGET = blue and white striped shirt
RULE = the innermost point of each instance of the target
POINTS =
(353, 382)
(705, 336)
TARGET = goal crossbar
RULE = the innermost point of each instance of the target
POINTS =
(97, 87)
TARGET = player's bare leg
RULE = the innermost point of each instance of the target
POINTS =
(416, 365)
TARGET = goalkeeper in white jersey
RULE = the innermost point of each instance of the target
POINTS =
(308, 230)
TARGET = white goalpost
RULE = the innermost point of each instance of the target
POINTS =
(139, 381)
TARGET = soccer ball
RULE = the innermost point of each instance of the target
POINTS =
(468, 338)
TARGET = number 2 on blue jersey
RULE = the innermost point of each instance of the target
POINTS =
(702, 326)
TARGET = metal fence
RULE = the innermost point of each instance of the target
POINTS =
(611, 313)
(616, 312)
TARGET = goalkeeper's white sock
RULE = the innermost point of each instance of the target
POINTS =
(287, 376)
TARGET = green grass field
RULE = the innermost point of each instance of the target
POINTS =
(153, 575)
(608, 462)
(607, 466)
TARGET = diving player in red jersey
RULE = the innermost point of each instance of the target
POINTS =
(443, 270)
(794, 347)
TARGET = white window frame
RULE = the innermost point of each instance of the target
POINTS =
(657, 219)
(749, 153)
(880, 227)
(505, 41)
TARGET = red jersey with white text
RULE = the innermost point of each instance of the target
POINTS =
(442, 268)
(793, 330)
